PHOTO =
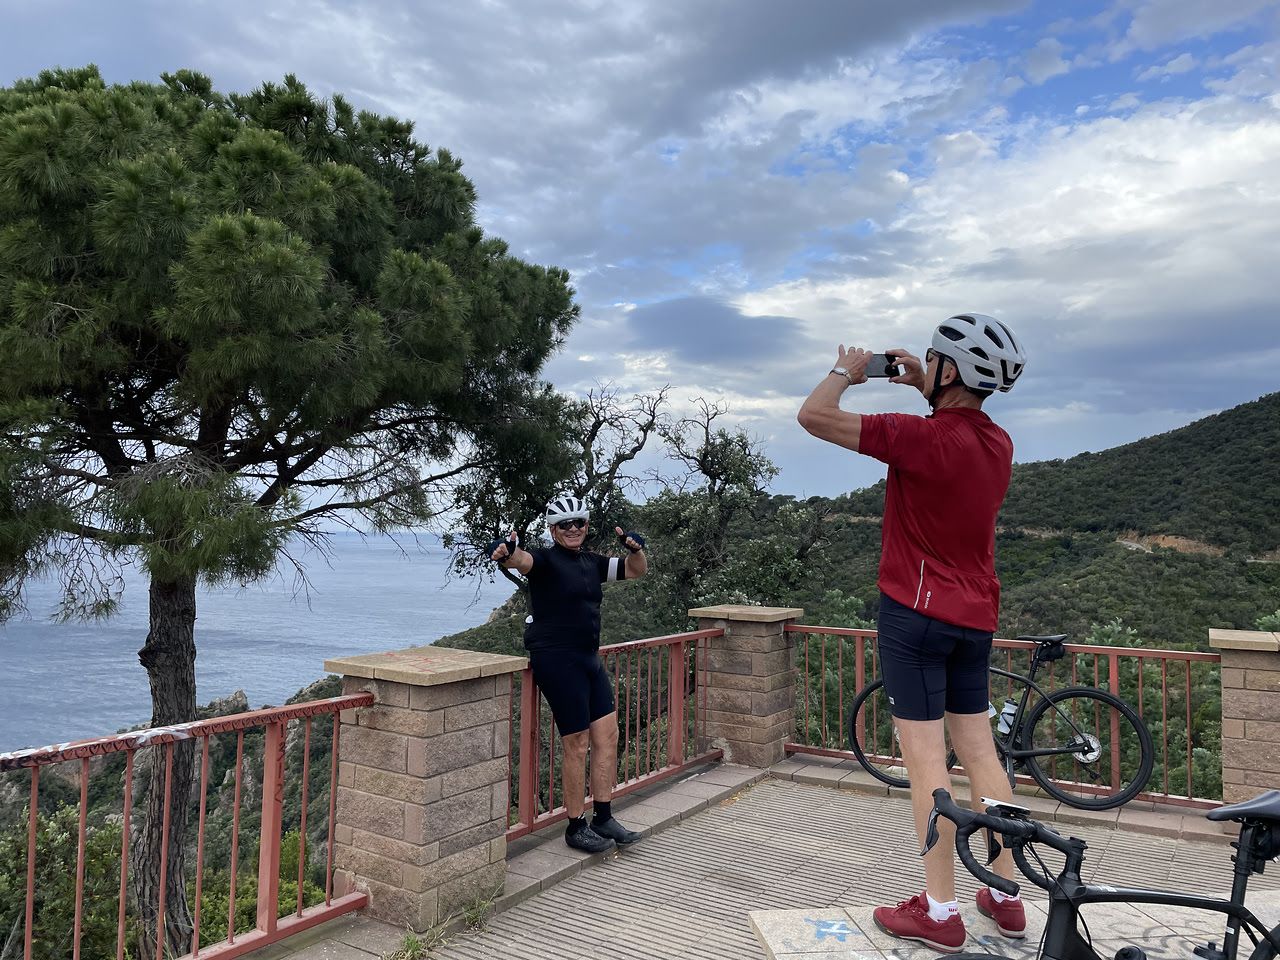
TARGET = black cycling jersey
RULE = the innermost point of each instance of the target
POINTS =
(565, 595)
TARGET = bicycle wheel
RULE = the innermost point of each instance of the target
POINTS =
(872, 737)
(1106, 750)
(874, 741)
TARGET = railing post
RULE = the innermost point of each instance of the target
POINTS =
(1113, 683)
(527, 804)
(423, 782)
(272, 814)
(1250, 705)
(676, 673)
(751, 696)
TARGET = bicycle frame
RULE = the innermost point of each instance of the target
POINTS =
(1005, 742)
(1062, 940)
(1062, 937)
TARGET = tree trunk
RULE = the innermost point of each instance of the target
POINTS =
(170, 659)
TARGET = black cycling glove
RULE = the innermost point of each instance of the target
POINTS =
(631, 534)
(512, 544)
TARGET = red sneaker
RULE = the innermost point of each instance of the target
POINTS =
(1010, 918)
(910, 920)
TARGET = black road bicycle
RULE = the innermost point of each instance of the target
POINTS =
(1064, 938)
(1084, 746)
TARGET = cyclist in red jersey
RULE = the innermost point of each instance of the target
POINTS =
(939, 595)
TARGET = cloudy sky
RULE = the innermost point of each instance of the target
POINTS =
(738, 185)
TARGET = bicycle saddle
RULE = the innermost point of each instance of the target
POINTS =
(1265, 806)
(1046, 641)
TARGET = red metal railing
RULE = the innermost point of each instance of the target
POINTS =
(1168, 688)
(273, 921)
(661, 694)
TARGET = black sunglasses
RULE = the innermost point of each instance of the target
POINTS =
(930, 354)
(570, 524)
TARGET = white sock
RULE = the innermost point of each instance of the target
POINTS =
(940, 911)
(999, 897)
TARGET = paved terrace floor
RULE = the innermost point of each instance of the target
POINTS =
(726, 880)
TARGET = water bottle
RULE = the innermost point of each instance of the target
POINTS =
(1005, 723)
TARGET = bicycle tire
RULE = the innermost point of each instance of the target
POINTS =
(894, 774)
(1043, 768)
(1264, 950)
(885, 765)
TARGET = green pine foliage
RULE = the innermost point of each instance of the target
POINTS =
(216, 308)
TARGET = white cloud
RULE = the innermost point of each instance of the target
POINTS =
(1157, 23)
(1045, 61)
(1182, 63)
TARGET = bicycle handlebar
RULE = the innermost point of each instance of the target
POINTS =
(969, 822)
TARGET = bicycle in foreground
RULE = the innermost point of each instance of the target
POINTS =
(1084, 746)
(1259, 842)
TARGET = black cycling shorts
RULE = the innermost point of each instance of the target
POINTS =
(931, 667)
(576, 685)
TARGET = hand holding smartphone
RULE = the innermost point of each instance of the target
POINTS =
(883, 365)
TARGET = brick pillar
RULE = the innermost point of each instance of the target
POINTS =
(751, 693)
(1250, 711)
(422, 782)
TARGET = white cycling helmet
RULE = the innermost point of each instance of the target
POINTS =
(986, 353)
(565, 506)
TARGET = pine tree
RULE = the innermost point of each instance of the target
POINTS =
(224, 318)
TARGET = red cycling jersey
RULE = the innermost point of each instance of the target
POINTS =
(948, 476)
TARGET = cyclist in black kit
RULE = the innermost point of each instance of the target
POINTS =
(563, 639)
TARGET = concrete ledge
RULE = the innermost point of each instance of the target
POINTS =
(1260, 640)
(746, 613)
(545, 859)
(426, 666)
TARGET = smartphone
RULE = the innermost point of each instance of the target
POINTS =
(883, 365)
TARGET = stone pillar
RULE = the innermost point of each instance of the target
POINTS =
(1250, 711)
(423, 781)
(751, 692)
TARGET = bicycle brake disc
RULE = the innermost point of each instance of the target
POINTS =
(1093, 752)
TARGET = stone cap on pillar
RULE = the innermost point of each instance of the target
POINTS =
(1260, 640)
(426, 666)
(746, 612)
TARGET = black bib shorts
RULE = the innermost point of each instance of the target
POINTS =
(578, 688)
(931, 667)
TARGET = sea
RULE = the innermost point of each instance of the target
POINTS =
(362, 594)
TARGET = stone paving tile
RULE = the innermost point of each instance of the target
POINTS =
(371, 936)
(731, 775)
(816, 934)
(330, 950)
(544, 866)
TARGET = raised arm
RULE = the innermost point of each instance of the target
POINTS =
(820, 414)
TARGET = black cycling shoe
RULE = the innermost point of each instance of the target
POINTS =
(615, 831)
(587, 840)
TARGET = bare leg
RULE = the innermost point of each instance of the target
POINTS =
(924, 750)
(971, 738)
(574, 772)
(604, 756)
